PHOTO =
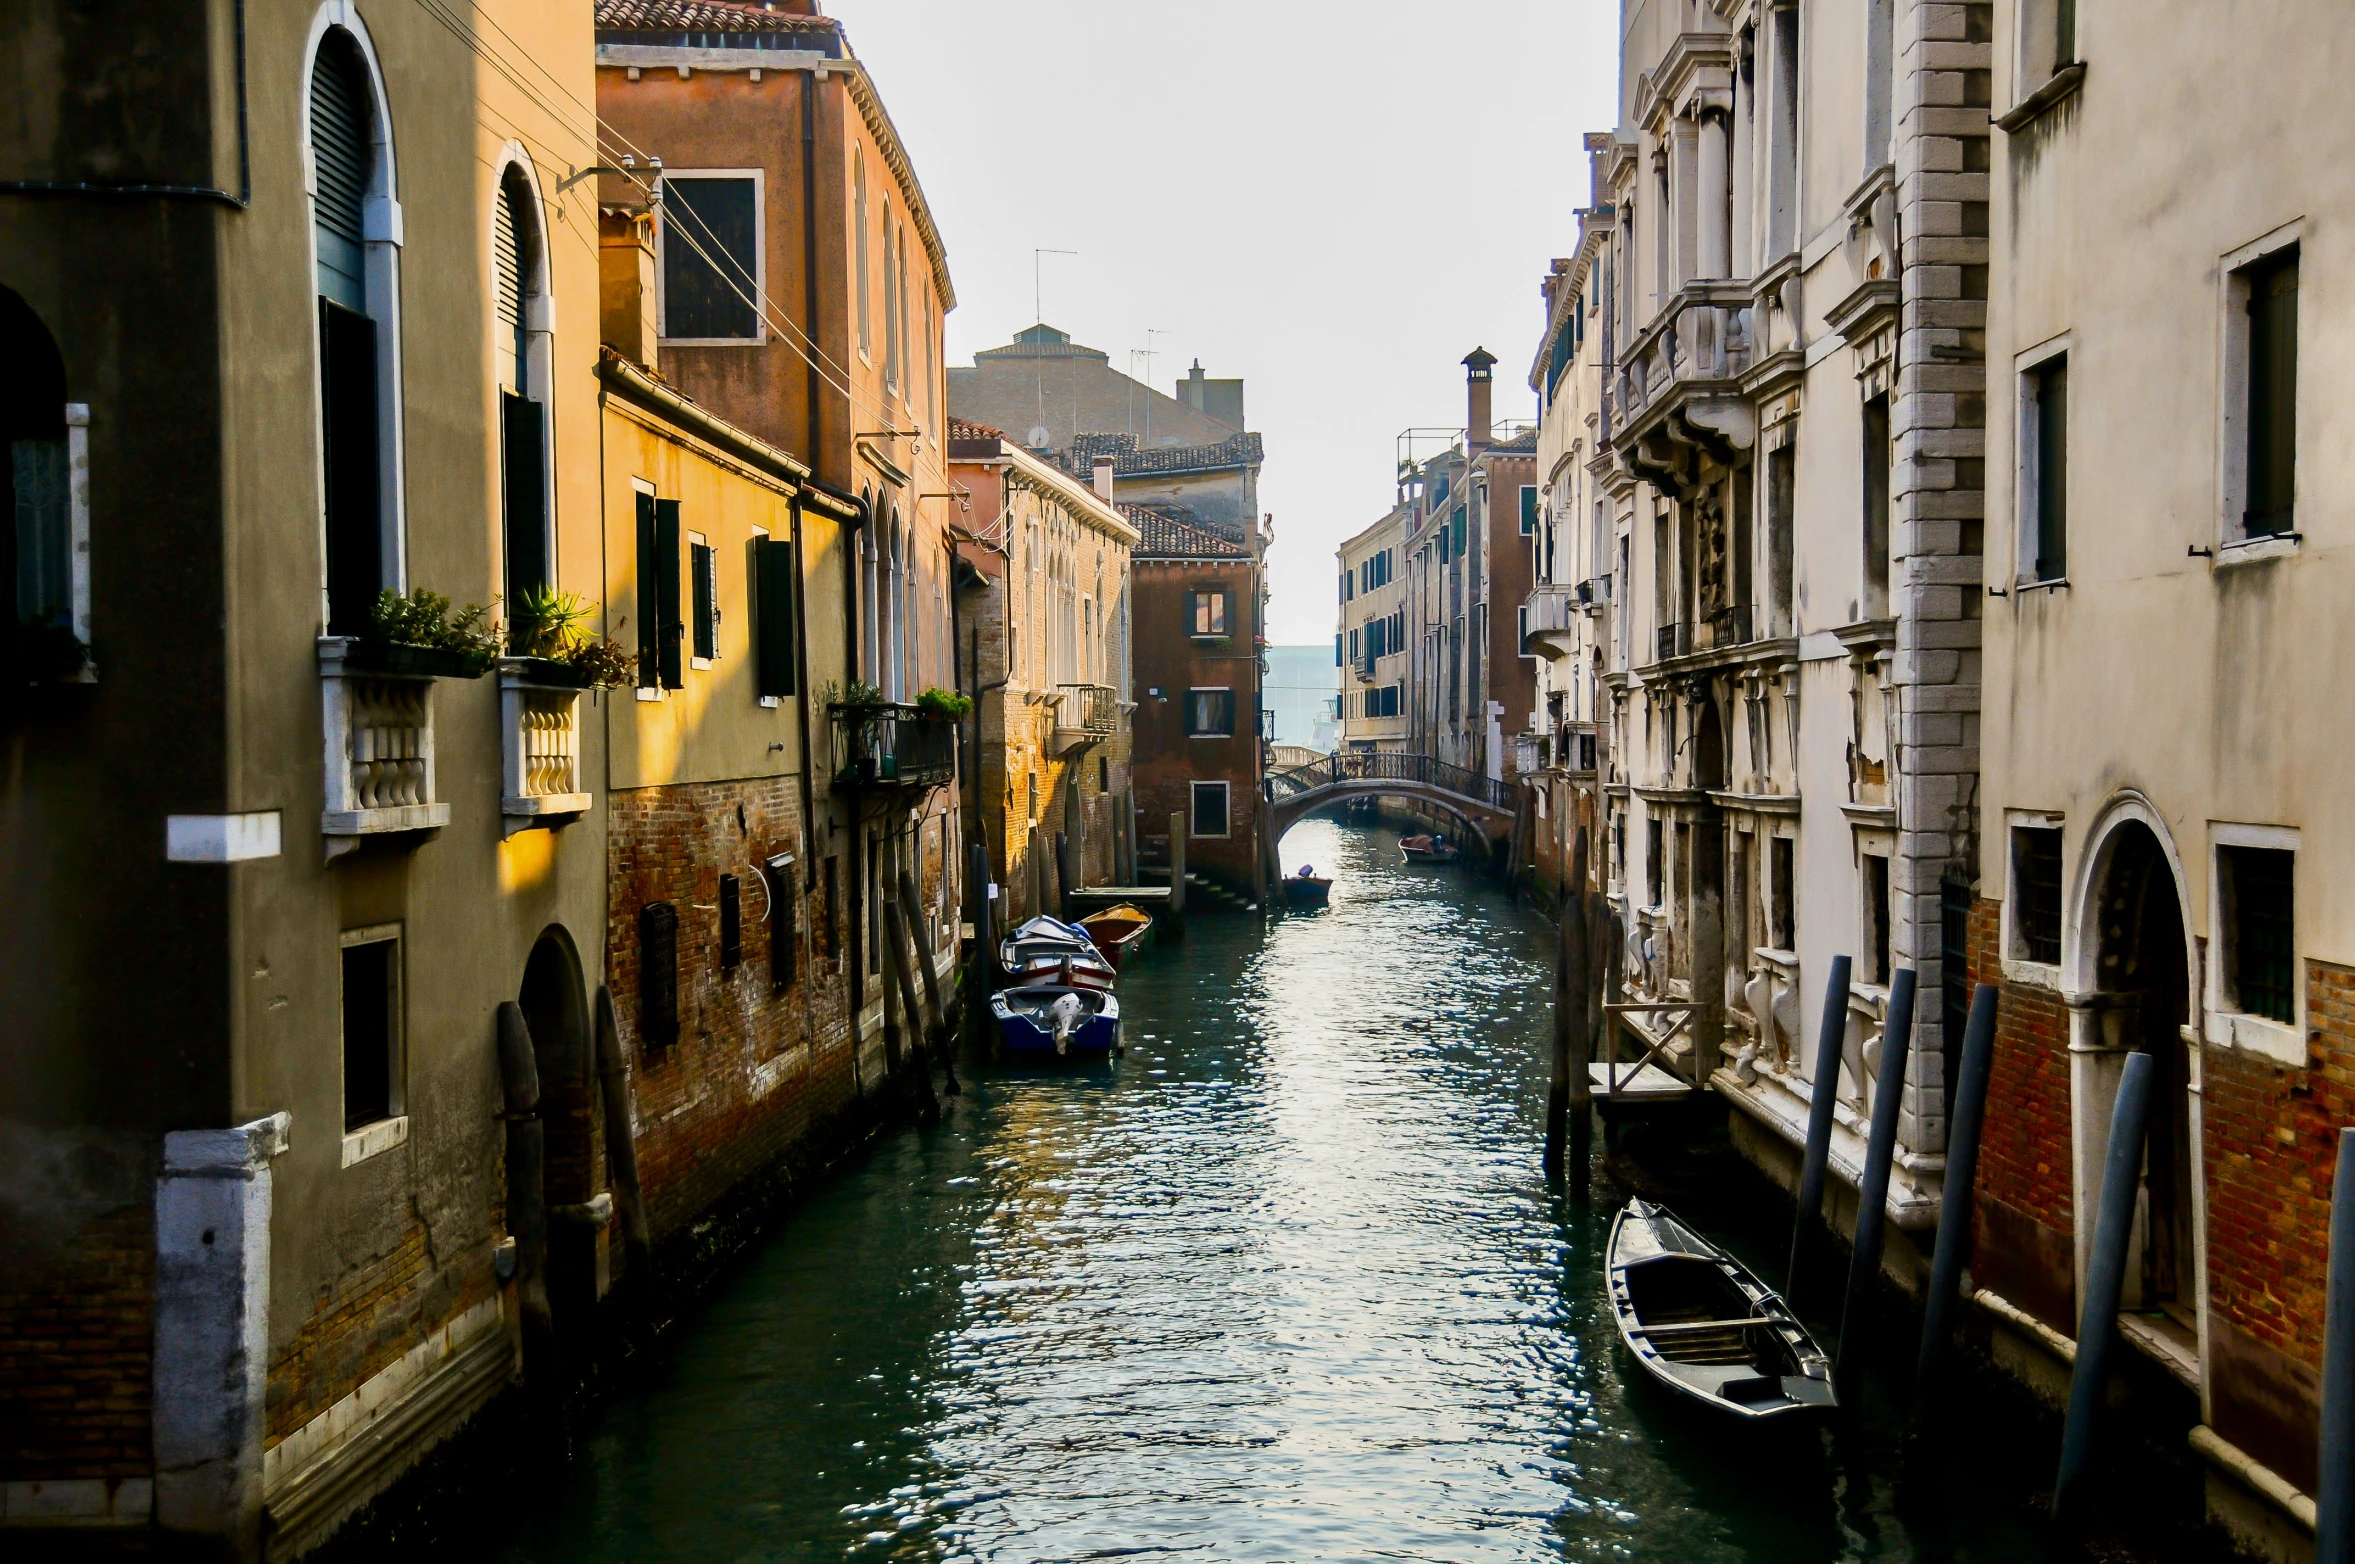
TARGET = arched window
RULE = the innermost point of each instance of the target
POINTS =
(356, 227)
(520, 352)
(896, 646)
(44, 559)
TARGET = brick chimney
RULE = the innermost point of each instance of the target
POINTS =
(625, 284)
(1478, 365)
(1103, 477)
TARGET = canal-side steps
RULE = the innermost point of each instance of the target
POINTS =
(1203, 894)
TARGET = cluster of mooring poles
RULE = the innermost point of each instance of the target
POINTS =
(1582, 975)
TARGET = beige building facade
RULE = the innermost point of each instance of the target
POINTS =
(2165, 579)
(1373, 647)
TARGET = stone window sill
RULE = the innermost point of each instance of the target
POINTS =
(2274, 1040)
(2248, 551)
(2062, 84)
(374, 1139)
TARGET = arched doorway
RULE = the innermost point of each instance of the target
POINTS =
(2141, 972)
(554, 1006)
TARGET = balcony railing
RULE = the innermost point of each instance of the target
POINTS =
(379, 760)
(886, 745)
(1703, 334)
(1094, 707)
(1672, 640)
(540, 740)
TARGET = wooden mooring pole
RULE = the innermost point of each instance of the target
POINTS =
(1177, 874)
(1570, 977)
(918, 1084)
(1872, 1192)
(1819, 1115)
(922, 929)
(1964, 1118)
(2105, 1281)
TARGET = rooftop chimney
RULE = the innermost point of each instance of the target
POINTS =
(625, 284)
(1103, 477)
(1477, 366)
(1190, 388)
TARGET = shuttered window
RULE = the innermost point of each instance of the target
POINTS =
(658, 974)
(703, 575)
(523, 448)
(509, 227)
(784, 938)
(772, 614)
(710, 259)
(731, 924)
(340, 157)
(659, 627)
(2272, 396)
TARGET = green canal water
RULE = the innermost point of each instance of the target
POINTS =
(1283, 1283)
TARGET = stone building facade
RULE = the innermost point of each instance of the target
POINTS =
(1792, 333)
(1045, 617)
(1371, 646)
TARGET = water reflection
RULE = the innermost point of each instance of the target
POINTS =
(1283, 1283)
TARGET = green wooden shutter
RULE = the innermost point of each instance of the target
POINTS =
(340, 158)
(773, 614)
(704, 598)
(355, 554)
(658, 974)
(523, 446)
(649, 596)
(671, 628)
(507, 289)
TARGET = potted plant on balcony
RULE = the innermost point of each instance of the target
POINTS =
(420, 636)
(948, 704)
(859, 711)
(549, 641)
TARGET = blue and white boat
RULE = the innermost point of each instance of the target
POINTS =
(1050, 950)
(1056, 1021)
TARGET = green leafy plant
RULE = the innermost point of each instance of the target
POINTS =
(425, 619)
(554, 625)
(860, 693)
(945, 703)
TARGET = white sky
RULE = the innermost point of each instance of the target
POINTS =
(1335, 202)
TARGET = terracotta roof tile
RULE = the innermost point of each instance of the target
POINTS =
(967, 429)
(705, 16)
(1167, 537)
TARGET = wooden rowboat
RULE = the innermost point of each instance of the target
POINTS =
(1121, 933)
(1701, 1324)
(1306, 890)
(1426, 849)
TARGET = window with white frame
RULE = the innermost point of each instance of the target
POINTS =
(2256, 923)
(703, 578)
(708, 248)
(1209, 814)
(371, 1025)
(2044, 464)
(2036, 892)
(2260, 444)
(1210, 714)
(520, 352)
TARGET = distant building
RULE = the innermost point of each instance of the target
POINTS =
(1067, 403)
(1199, 742)
(1371, 645)
(1045, 621)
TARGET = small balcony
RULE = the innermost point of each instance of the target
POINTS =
(378, 726)
(1550, 626)
(1084, 714)
(540, 740)
(888, 746)
(1672, 640)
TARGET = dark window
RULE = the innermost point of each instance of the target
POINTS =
(1652, 837)
(1876, 507)
(1210, 713)
(2261, 953)
(1528, 509)
(1783, 928)
(371, 1011)
(659, 628)
(1876, 916)
(2273, 395)
(1339, 657)
(348, 428)
(1781, 497)
(1210, 809)
(703, 577)
(710, 259)
(772, 613)
(523, 454)
(731, 924)
(1103, 774)
(36, 581)
(2048, 384)
(777, 881)
(658, 974)
(1742, 599)
(833, 903)
(2036, 893)
(1206, 613)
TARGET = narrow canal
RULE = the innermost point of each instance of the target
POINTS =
(1283, 1283)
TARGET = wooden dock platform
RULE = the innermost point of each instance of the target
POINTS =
(1153, 898)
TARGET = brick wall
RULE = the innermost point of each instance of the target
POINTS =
(363, 1322)
(75, 1330)
(709, 1116)
(2023, 1243)
(2270, 1142)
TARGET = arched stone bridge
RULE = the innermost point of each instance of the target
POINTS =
(1484, 804)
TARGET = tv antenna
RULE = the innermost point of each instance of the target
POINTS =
(1037, 286)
